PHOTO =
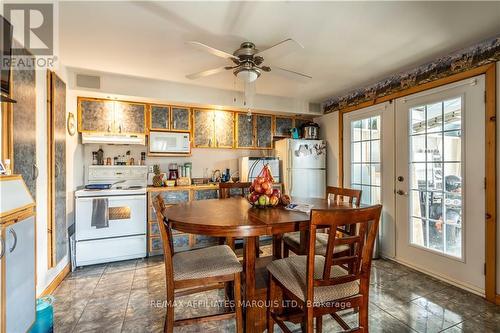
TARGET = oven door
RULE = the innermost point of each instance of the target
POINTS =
(127, 216)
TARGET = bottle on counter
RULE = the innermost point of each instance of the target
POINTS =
(94, 158)
(143, 158)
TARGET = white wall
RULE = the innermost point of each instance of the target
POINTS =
(144, 89)
(329, 131)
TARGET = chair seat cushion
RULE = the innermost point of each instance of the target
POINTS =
(291, 273)
(207, 262)
(293, 239)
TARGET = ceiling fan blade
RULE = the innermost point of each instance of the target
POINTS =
(285, 46)
(207, 72)
(289, 72)
(212, 50)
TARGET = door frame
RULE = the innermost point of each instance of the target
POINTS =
(489, 71)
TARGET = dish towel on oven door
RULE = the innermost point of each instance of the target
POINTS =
(100, 217)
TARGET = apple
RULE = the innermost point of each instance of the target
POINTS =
(260, 180)
(266, 185)
(251, 188)
(273, 200)
(259, 189)
(277, 193)
(263, 200)
(254, 197)
(269, 191)
(285, 199)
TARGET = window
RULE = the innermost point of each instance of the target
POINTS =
(365, 158)
(435, 169)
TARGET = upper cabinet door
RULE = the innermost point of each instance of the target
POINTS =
(95, 115)
(180, 119)
(282, 126)
(130, 117)
(204, 129)
(160, 117)
(224, 129)
(264, 131)
(245, 137)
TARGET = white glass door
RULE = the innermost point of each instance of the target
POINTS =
(368, 164)
(440, 202)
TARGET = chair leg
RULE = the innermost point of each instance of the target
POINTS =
(319, 324)
(363, 314)
(230, 242)
(272, 298)
(257, 247)
(286, 251)
(309, 320)
(237, 303)
(169, 318)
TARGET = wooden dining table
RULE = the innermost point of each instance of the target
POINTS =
(235, 217)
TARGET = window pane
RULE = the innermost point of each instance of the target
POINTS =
(434, 176)
(356, 152)
(365, 151)
(417, 122)
(453, 114)
(417, 176)
(375, 196)
(356, 173)
(453, 177)
(418, 231)
(452, 146)
(417, 144)
(365, 129)
(435, 117)
(365, 174)
(375, 151)
(356, 130)
(434, 147)
(417, 203)
(365, 195)
(375, 126)
(454, 240)
(375, 174)
(436, 235)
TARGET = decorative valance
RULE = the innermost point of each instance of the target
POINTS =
(483, 53)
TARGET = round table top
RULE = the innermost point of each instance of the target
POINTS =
(235, 217)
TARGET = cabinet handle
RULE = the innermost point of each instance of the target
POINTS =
(175, 124)
(15, 240)
(35, 173)
(2, 248)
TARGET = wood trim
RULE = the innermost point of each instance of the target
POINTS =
(490, 145)
(57, 280)
(51, 171)
(491, 183)
(497, 300)
(341, 150)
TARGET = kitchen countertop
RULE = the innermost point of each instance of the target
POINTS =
(180, 188)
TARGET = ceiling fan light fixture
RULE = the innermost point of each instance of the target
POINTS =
(247, 74)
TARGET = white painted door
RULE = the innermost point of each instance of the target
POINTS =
(440, 200)
(369, 164)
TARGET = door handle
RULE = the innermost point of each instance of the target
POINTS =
(2, 248)
(401, 192)
(35, 173)
(15, 240)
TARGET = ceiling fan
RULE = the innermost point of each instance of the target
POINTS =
(248, 61)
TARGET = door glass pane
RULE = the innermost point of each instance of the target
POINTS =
(365, 158)
(435, 166)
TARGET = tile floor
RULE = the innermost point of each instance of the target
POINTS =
(123, 296)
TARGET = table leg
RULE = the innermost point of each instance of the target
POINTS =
(304, 236)
(249, 269)
(277, 246)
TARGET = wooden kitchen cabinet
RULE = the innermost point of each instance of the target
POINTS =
(282, 126)
(213, 129)
(264, 131)
(95, 115)
(245, 134)
(130, 118)
(159, 117)
(224, 129)
(107, 116)
(180, 119)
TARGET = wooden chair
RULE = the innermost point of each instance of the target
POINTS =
(291, 241)
(225, 193)
(319, 284)
(194, 271)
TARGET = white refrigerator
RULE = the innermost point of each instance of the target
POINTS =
(303, 165)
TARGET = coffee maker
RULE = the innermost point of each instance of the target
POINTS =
(173, 173)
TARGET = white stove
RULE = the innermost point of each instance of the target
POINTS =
(111, 223)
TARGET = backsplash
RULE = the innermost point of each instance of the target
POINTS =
(204, 160)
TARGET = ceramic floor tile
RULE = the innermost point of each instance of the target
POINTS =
(121, 266)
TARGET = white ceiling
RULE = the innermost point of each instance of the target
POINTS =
(346, 44)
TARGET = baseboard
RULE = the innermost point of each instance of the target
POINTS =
(57, 280)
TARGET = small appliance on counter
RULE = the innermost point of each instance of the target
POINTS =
(111, 215)
(310, 131)
(173, 171)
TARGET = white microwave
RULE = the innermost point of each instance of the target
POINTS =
(169, 143)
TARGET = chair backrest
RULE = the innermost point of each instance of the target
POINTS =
(225, 189)
(365, 222)
(341, 194)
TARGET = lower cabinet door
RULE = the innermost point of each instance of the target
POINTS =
(20, 275)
